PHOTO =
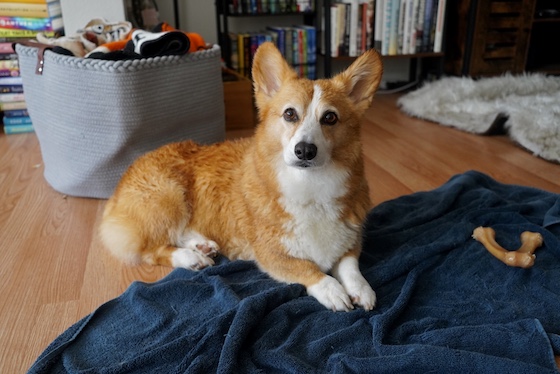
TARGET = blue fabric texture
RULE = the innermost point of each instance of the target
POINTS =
(445, 305)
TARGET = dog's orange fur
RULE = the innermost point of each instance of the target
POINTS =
(230, 192)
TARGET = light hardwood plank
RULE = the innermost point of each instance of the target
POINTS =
(54, 270)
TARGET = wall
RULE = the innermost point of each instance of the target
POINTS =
(77, 13)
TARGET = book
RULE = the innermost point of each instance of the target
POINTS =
(11, 81)
(342, 28)
(413, 26)
(32, 24)
(6, 47)
(29, 1)
(18, 129)
(16, 113)
(27, 34)
(9, 64)
(310, 40)
(11, 97)
(438, 38)
(334, 30)
(12, 121)
(43, 10)
(13, 105)
(353, 10)
(386, 24)
(427, 25)
(10, 72)
(393, 30)
(10, 88)
(403, 32)
(8, 56)
(420, 26)
(378, 25)
(408, 25)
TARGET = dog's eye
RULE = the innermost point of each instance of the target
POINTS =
(330, 118)
(290, 115)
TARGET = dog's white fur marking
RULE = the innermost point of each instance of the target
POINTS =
(189, 258)
(331, 294)
(348, 274)
(309, 131)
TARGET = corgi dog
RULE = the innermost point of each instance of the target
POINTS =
(293, 198)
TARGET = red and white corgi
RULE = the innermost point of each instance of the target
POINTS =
(293, 198)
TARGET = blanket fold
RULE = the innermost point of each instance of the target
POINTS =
(444, 303)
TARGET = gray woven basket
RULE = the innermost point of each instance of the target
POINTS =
(93, 118)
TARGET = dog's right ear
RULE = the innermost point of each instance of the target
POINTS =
(269, 71)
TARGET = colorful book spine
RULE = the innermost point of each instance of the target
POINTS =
(15, 105)
(11, 33)
(12, 121)
(31, 24)
(11, 97)
(29, 1)
(44, 10)
(10, 88)
(18, 129)
(16, 113)
(4, 73)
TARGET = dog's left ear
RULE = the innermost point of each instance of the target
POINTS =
(269, 70)
(362, 78)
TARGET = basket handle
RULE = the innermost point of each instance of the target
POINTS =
(40, 53)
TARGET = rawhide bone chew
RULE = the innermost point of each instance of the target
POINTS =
(523, 257)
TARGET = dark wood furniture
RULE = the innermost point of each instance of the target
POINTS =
(488, 37)
(491, 37)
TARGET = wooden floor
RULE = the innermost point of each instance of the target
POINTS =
(54, 270)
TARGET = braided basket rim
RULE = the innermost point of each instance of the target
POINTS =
(119, 65)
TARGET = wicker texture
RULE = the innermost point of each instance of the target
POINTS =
(93, 118)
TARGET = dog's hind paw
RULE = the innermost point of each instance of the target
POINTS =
(207, 247)
(201, 244)
(189, 258)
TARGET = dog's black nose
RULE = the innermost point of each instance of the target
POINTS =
(305, 151)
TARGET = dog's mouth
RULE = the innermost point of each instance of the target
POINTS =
(304, 164)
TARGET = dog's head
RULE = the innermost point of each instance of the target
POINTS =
(312, 123)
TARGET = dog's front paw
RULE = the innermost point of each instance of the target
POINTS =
(363, 295)
(331, 294)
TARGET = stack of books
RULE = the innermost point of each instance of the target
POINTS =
(21, 20)
(257, 7)
(351, 27)
(409, 26)
(393, 27)
(298, 44)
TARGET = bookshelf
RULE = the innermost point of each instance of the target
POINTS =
(427, 59)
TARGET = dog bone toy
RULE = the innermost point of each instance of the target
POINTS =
(523, 257)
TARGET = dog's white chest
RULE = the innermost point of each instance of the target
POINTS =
(316, 231)
(318, 234)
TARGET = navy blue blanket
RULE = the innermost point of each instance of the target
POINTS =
(444, 303)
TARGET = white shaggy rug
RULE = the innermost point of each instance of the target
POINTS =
(527, 107)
